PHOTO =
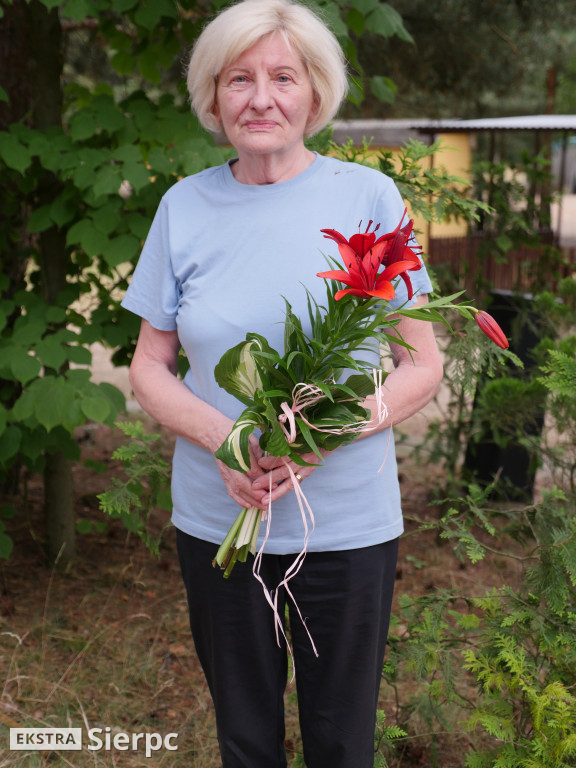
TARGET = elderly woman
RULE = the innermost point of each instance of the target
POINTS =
(225, 248)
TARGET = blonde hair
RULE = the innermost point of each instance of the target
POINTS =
(241, 26)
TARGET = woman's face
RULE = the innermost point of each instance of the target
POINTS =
(264, 99)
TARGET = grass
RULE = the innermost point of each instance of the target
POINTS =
(117, 656)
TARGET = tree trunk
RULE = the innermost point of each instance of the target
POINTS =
(45, 33)
(59, 509)
(14, 63)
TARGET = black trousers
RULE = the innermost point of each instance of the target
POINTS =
(345, 598)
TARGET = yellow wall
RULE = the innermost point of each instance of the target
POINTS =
(456, 158)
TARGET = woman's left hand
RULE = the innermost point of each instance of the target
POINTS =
(276, 470)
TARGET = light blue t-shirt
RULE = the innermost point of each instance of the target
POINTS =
(218, 261)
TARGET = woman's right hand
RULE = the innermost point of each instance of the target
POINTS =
(239, 484)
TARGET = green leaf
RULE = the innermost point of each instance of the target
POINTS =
(24, 367)
(107, 218)
(40, 219)
(274, 441)
(138, 224)
(150, 12)
(3, 94)
(121, 6)
(365, 6)
(127, 153)
(121, 249)
(78, 355)
(85, 234)
(115, 397)
(307, 435)
(53, 404)
(33, 442)
(362, 385)
(79, 9)
(62, 210)
(51, 352)
(123, 62)
(356, 92)
(159, 161)
(383, 88)
(235, 451)
(95, 408)
(137, 174)
(107, 180)
(355, 20)
(83, 125)
(107, 114)
(504, 243)
(386, 21)
(238, 373)
(28, 329)
(84, 526)
(10, 442)
(55, 315)
(14, 154)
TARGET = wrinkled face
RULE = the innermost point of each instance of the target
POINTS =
(264, 99)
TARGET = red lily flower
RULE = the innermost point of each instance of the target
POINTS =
(363, 255)
(490, 327)
(399, 250)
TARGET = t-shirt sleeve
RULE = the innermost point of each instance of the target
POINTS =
(154, 291)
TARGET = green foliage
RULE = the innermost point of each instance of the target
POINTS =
(519, 194)
(513, 643)
(431, 192)
(489, 402)
(144, 489)
(386, 739)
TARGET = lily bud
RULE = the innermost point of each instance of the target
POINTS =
(490, 327)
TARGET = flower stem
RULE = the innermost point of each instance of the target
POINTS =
(240, 539)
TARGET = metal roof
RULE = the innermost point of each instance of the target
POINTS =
(566, 123)
(381, 133)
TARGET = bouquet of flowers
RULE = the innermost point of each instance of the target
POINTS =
(299, 399)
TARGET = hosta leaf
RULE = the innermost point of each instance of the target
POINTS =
(238, 373)
(235, 450)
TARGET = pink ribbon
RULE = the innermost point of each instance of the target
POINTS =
(272, 595)
(304, 395)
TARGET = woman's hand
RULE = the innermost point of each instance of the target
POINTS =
(275, 469)
(248, 489)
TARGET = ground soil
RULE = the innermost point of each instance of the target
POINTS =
(108, 640)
